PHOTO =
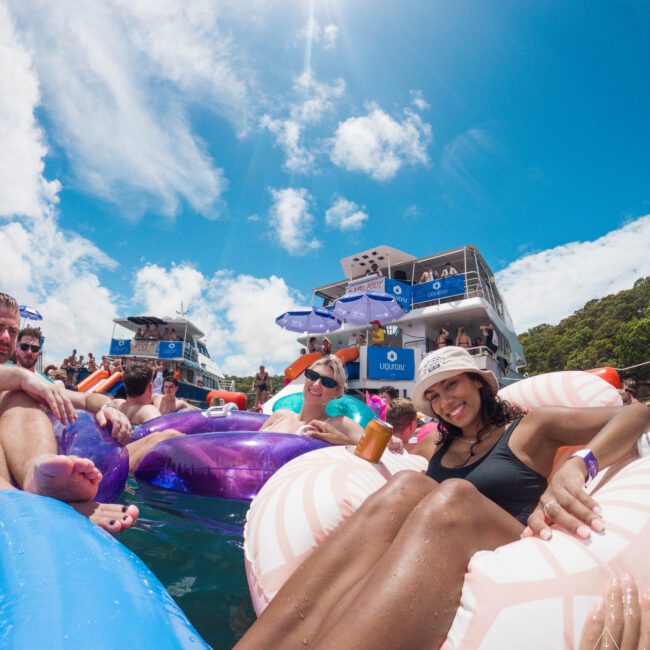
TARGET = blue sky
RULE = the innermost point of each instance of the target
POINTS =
(228, 154)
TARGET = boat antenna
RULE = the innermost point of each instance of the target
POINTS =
(182, 311)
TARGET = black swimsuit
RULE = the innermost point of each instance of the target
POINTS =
(499, 475)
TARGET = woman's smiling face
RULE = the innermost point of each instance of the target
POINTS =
(315, 391)
(457, 400)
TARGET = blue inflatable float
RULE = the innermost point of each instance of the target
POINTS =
(68, 584)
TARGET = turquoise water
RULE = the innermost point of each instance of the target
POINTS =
(194, 545)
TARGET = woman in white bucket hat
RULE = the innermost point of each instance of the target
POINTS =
(411, 541)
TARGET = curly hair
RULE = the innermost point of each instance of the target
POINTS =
(494, 412)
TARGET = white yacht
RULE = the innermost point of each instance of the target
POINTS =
(187, 354)
(468, 298)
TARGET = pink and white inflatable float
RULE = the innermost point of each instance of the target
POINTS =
(530, 593)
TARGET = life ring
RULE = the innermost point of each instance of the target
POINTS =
(229, 397)
(85, 438)
(229, 465)
(66, 582)
(310, 496)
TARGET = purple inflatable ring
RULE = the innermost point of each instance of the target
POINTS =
(208, 421)
(85, 438)
(229, 465)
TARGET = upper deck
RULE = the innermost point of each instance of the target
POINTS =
(473, 280)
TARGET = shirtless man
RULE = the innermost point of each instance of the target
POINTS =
(261, 386)
(30, 458)
(168, 402)
(138, 409)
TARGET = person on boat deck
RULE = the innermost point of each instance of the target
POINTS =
(92, 363)
(488, 484)
(448, 270)
(155, 333)
(443, 338)
(377, 334)
(490, 337)
(427, 274)
(28, 451)
(139, 334)
(261, 386)
(146, 334)
(325, 346)
(168, 402)
(311, 345)
(462, 339)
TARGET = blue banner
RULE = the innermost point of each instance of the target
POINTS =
(397, 364)
(170, 349)
(120, 346)
(400, 291)
(451, 286)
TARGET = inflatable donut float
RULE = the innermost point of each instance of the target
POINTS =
(85, 438)
(310, 496)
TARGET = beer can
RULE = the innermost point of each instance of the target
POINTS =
(374, 440)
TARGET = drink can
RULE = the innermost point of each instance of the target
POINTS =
(374, 440)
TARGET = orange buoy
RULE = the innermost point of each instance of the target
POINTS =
(609, 374)
(229, 397)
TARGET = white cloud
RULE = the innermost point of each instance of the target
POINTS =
(291, 220)
(345, 215)
(236, 312)
(23, 189)
(550, 285)
(417, 99)
(378, 145)
(41, 265)
(313, 32)
(316, 100)
(464, 155)
(124, 141)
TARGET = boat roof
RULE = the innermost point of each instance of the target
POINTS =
(178, 324)
(384, 256)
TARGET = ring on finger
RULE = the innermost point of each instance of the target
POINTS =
(547, 506)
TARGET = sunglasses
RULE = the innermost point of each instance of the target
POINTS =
(26, 346)
(629, 391)
(328, 382)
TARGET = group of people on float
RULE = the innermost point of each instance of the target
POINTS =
(430, 274)
(156, 334)
(488, 483)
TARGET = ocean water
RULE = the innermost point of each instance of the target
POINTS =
(194, 545)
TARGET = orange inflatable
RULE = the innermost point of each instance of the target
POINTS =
(105, 384)
(609, 375)
(347, 354)
(91, 380)
(229, 397)
(300, 364)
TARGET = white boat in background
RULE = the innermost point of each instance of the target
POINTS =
(469, 299)
(187, 355)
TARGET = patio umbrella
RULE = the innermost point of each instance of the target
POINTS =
(363, 307)
(312, 320)
(30, 312)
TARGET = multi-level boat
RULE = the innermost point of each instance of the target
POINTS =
(184, 354)
(467, 296)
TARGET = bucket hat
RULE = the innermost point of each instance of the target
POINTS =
(442, 364)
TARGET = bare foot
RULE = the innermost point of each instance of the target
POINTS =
(67, 478)
(112, 517)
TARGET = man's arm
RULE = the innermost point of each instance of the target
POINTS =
(182, 404)
(43, 391)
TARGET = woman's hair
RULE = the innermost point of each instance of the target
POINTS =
(333, 362)
(494, 412)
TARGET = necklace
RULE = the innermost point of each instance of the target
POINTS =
(473, 441)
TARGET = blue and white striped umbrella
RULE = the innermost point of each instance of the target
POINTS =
(312, 320)
(363, 307)
(30, 312)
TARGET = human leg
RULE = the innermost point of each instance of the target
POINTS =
(420, 577)
(140, 448)
(334, 569)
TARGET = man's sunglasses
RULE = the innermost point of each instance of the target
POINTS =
(26, 346)
(328, 382)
